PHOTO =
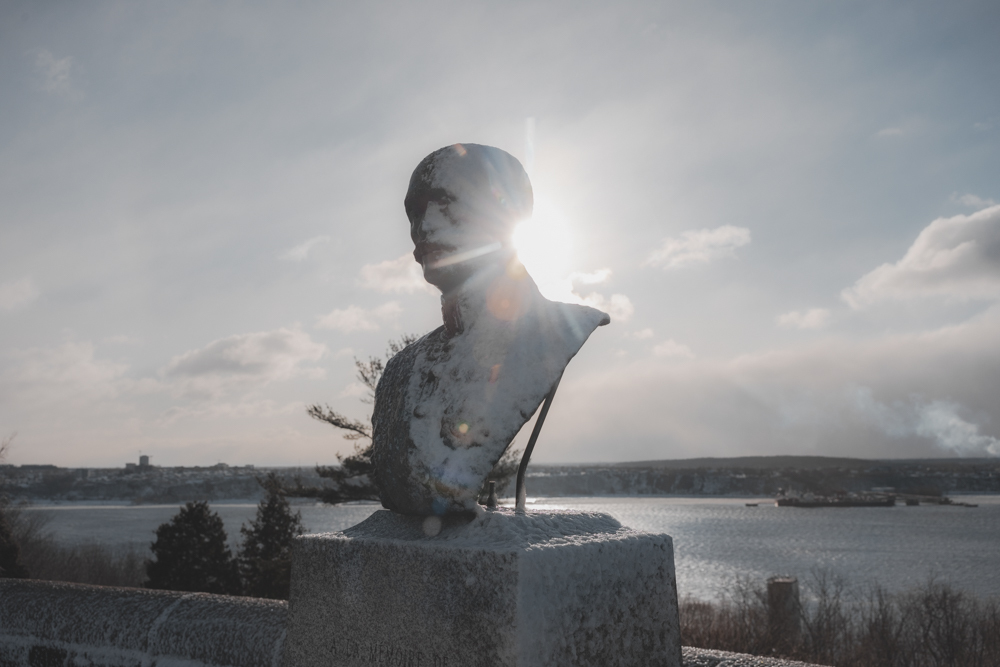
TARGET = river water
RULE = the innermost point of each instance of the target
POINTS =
(716, 540)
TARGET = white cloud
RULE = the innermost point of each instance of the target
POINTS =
(971, 200)
(254, 358)
(355, 318)
(619, 306)
(402, 274)
(642, 334)
(300, 252)
(17, 293)
(908, 127)
(66, 373)
(699, 246)
(591, 278)
(241, 410)
(938, 420)
(814, 318)
(793, 400)
(354, 390)
(55, 72)
(956, 257)
(672, 349)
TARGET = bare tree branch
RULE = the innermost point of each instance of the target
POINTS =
(355, 429)
(5, 444)
(351, 479)
(370, 372)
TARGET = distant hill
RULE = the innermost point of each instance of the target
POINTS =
(743, 476)
(766, 476)
(797, 462)
(752, 462)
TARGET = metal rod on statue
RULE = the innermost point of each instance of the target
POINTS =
(522, 496)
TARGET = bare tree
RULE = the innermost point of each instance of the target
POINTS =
(5, 444)
(10, 552)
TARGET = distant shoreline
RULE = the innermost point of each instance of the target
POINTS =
(40, 504)
(754, 478)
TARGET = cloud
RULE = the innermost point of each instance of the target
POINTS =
(242, 410)
(355, 390)
(642, 334)
(938, 420)
(699, 246)
(355, 318)
(795, 400)
(956, 257)
(814, 318)
(69, 372)
(402, 274)
(591, 278)
(301, 251)
(55, 72)
(253, 358)
(619, 306)
(971, 200)
(17, 293)
(907, 128)
(672, 349)
(890, 132)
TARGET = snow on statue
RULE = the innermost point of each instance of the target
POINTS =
(449, 404)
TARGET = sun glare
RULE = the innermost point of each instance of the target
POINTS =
(544, 245)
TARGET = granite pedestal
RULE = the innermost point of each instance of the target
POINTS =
(543, 588)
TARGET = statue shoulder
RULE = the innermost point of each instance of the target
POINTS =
(588, 315)
(574, 321)
(401, 365)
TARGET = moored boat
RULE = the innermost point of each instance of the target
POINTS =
(837, 501)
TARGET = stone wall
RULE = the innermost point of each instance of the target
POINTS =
(47, 624)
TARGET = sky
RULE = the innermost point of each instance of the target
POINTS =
(788, 208)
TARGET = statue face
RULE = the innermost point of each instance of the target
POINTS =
(450, 246)
(463, 203)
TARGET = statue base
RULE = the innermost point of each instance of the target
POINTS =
(543, 588)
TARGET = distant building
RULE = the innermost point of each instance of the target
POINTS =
(143, 461)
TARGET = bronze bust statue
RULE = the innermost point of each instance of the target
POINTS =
(448, 405)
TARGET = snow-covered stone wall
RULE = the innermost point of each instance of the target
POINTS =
(47, 624)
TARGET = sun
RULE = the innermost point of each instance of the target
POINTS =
(544, 245)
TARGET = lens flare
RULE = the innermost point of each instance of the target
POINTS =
(544, 245)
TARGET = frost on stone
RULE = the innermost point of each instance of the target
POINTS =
(499, 588)
(501, 529)
(72, 624)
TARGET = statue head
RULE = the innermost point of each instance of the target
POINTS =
(463, 204)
